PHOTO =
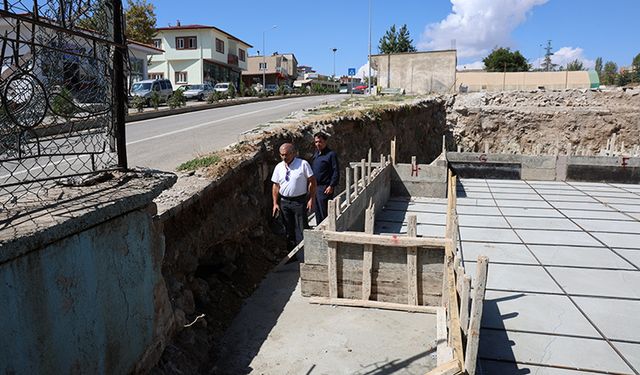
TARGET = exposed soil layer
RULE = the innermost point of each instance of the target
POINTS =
(218, 240)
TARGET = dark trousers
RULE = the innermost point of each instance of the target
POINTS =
(321, 203)
(294, 217)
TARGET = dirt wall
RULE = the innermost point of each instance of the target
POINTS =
(218, 241)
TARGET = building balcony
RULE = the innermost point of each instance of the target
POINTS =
(232, 59)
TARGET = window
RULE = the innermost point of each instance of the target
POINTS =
(263, 66)
(156, 75)
(157, 43)
(181, 77)
(186, 42)
(242, 54)
(219, 45)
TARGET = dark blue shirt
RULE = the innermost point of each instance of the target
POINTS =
(325, 167)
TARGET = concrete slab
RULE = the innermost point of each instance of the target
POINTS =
(635, 208)
(551, 350)
(522, 203)
(617, 319)
(488, 367)
(391, 227)
(562, 192)
(482, 221)
(516, 278)
(631, 352)
(535, 313)
(617, 226)
(506, 183)
(422, 217)
(511, 189)
(624, 240)
(497, 252)
(581, 206)
(633, 201)
(530, 212)
(542, 237)
(576, 256)
(476, 202)
(632, 256)
(614, 194)
(488, 235)
(279, 332)
(542, 223)
(478, 210)
(474, 194)
(532, 195)
(603, 283)
(568, 198)
(583, 214)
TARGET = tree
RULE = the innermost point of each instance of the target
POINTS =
(609, 73)
(141, 21)
(396, 41)
(635, 64)
(575, 65)
(502, 59)
(598, 66)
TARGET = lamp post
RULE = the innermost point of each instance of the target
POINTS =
(334, 63)
(264, 60)
(369, 82)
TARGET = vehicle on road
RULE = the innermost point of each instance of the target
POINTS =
(359, 89)
(197, 92)
(144, 89)
(270, 89)
(222, 87)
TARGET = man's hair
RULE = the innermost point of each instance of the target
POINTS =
(321, 135)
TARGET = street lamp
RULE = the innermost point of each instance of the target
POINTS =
(369, 82)
(334, 63)
(264, 60)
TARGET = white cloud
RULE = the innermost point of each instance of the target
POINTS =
(471, 66)
(477, 26)
(565, 55)
(363, 71)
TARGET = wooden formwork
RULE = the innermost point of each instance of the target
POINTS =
(346, 266)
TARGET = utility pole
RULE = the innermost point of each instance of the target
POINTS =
(334, 63)
(264, 59)
(548, 65)
(369, 82)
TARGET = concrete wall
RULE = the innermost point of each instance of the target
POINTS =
(85, 294)
(492, 81)
(417, 72)
(419, 181)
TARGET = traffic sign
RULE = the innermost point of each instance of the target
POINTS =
(352, 71)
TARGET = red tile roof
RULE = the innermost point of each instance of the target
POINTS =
(196, 26)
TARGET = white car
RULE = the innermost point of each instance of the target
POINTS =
(222, 87)
(198, 92)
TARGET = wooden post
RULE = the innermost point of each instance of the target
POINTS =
(369, 167)
(356, 178)
(464, 303)
(337, 201)
(486, 147)
(412, 262)
(363, 165)
(393, 151)
(347, 175)
(331, 215)
(382, 161)
(367, 258)
(473, 336)
(332, 250)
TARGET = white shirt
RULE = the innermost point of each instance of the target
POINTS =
(292, 178)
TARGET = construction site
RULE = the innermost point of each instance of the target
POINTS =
(481, 233)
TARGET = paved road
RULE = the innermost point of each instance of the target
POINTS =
(166, 142)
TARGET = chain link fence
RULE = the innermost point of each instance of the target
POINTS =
(62, 92)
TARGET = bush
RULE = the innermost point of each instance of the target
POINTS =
(138, 103)
(231, 91)
(177, 100)
(214, 97)
(155, 100)
(243, 89)
(62, 103)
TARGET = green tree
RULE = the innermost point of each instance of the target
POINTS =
(502, 59)
(635, 64)
(609, 73)
(575, 65)
(598, 66)
(396, 41)
(141, 21)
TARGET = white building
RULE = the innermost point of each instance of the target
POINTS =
(197, 54)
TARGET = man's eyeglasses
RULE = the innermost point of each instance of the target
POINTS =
(286, 176)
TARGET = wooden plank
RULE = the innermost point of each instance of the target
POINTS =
(331, 215)
(332, 269)
(464, 303)
(450, 368)
(367, 257)
(392, 159)
(382, 161)
(374, 239)
(374, 304)
(347, 175)
(455, 334)
(444, 353)
(365, 178)
(369, 167)
(459, 279)
(473, 334)
(356, 179)
(412, 261)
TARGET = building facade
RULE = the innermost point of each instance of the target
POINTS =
(196, 54)
(281, 69)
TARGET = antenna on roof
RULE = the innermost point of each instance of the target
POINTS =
(177, 22)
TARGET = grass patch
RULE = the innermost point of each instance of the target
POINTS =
(201, 162)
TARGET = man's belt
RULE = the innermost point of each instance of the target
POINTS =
(299, 198)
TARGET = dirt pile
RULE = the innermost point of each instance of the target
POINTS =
(544, 121)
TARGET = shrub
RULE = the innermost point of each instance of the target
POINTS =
(177, 100)
(138, 103)
(214, 97)
(243, 89)
(200, 162)
(155, 99)
(231, 91)
(62, 103)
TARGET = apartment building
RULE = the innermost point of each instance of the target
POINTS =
(279, 69)
(198, 54)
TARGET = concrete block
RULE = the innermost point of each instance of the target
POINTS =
(538, 174)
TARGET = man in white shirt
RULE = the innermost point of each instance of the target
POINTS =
(293, 192)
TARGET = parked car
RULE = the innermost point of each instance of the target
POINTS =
(144, 89)
(359, 89)
(270, 88)
(198, 92)
(222, 87)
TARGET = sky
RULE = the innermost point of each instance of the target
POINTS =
(582, 30)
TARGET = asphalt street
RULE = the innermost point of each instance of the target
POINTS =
(166, 142)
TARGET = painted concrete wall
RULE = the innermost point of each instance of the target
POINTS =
(87, 303)
(417, 73)
(491, 81)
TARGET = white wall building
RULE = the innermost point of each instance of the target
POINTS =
(197, 54)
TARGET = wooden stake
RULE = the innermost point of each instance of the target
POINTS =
(382, 161)
(332, 268)
(363, 165)
(356, 178)
(367, 258)
(473, 336)
(393, 151)
(369, 167)
(347, 175)
(412, 262)
(464, 303)
(331, 215)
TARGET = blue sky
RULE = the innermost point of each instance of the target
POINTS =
(584, 29)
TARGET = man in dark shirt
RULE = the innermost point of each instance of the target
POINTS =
(325, 169)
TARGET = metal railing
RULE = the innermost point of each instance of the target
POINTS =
(62, 94)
